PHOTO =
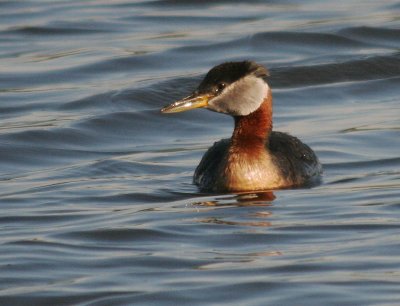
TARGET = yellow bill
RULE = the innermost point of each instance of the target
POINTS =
(188, 103)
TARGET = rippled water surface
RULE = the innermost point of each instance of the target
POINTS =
(97, 204)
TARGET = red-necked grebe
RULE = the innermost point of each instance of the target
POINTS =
(255, 157)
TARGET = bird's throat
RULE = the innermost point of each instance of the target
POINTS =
(252, 131)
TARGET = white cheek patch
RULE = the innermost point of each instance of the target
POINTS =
(241, 98)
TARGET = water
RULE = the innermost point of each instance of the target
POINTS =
(97, 205)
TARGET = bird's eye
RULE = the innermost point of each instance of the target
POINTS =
(220, 87)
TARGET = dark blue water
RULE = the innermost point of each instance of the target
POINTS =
(97, 204)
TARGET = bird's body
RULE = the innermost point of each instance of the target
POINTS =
(223, 168)
(255, 157)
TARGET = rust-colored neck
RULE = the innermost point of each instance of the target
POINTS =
(252, 131)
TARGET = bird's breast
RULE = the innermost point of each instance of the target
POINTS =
(251, 172)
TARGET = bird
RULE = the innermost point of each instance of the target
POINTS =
(255, 158)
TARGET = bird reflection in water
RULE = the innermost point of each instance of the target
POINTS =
(259, 199)
(250, 214)
(242, 199)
